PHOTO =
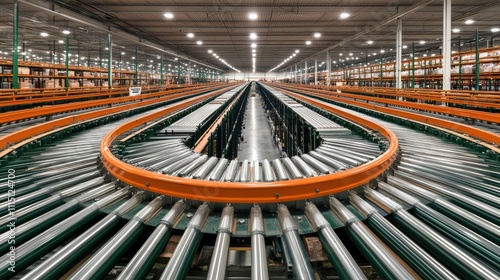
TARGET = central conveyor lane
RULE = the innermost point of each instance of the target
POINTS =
(258, 142)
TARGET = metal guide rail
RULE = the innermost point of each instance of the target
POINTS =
(69, 219)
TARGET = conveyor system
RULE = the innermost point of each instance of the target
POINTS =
(191, 123)
(74, 220)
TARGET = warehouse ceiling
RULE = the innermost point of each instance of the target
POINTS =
(282, 28)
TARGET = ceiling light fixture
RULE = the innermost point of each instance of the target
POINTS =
(469, 21)
(168, 15)
(369, 42)
(254, 50)
(297, 51)
(495, 29)
(44, 34)
(344, 15)
(253, 45)
(199, 42)
(66, 31)
(209, 51)
(308, 42)
(455, 30)
(317, 35)
(253, 36)
(190, 35)
(422, 42)
(253, 16)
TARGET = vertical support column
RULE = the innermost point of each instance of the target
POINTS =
(328, 67)
(399, 51)
(110, 63)
(78, 54)
(295, 74)
(315, 70)
(161, 69)
(477, 59)
(178, 71)
(53, 52)
(306, 79)
(100, 56)
(460, 72)
(189, 71)
(136, 68)
(446, 44)
(413, 65)
(381, 73)
(15, 65)
(66, 79)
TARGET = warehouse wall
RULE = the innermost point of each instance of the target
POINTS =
(248, 76)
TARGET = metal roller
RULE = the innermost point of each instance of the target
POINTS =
(292, 169)
(329, 161)
(259, 256)
(257, 171)
(470, 220)
(65, 258)
(102, 261)
(31, 228)
(338, 254)
(231, 171)
(280, 170)
(180, 163)
(175, 157)
(316, 164)
(413, 254)
(482, 209)
(302, 268)
(203, 171)
(188, 169)
(244, 171)
(454, 231)
(346, 160)
(48, 240)
(268, 172)
(144, 259)
(218, 264)
(460, 261)
(179, 263)
(304, 167)
(218, 170)
(377, 254)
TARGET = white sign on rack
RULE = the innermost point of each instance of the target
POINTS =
(132, 91)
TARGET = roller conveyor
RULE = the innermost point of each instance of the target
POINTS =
(275, 243)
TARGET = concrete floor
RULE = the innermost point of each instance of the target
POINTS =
(258, 143)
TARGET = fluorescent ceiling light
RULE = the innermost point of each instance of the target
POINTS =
(308, 42)
(253, 16)
(369, 42)
(199, 42)
(253, 36)
(209, 51)
(344, 15)
(168, 15)
(455, 30)
(253, 45)
(65, 31)
(469, 21)
(190, 35)
(317, 35)
(44, 34)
